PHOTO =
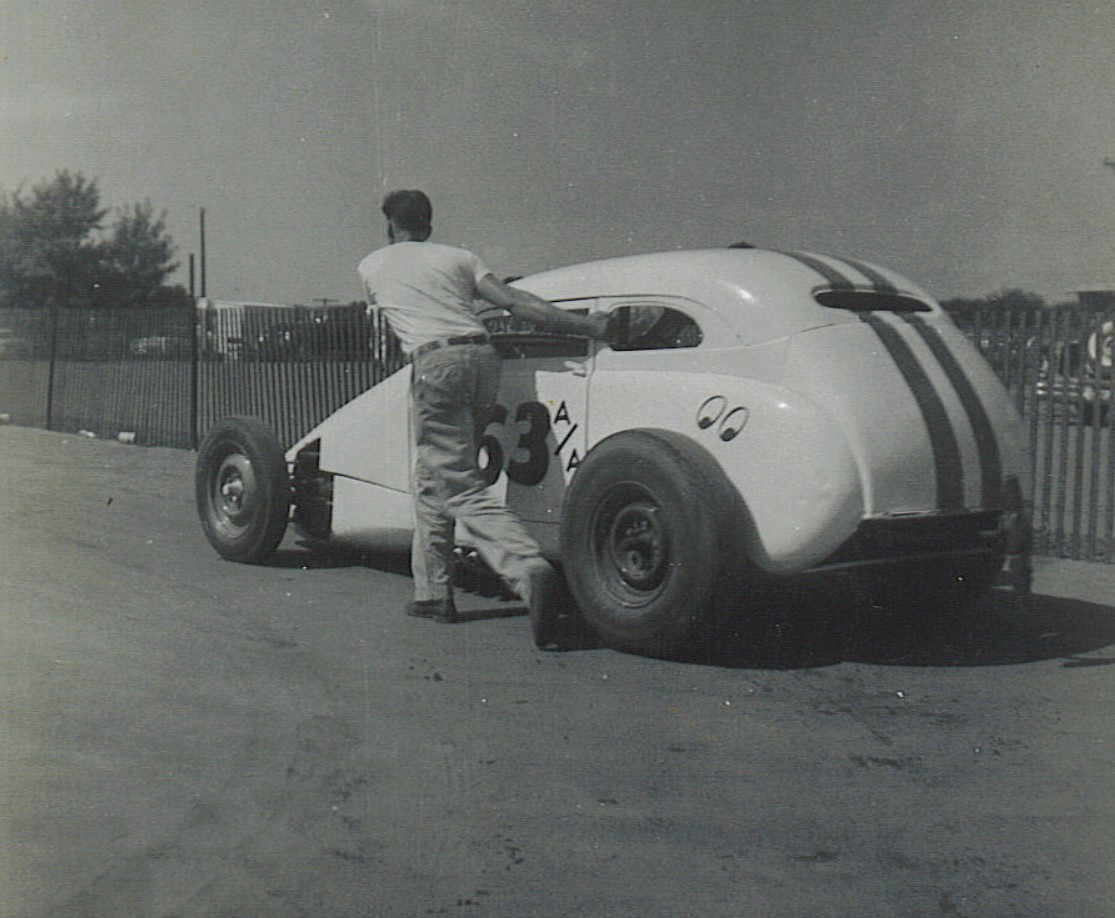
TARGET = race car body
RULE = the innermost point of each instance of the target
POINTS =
(803, 412)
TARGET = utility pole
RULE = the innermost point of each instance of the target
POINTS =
(202, 233)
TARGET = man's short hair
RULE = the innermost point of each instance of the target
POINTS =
(409, 210)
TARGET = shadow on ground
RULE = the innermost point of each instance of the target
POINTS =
(313, 557)
(480, 595)
(825, 623)
(821, 629)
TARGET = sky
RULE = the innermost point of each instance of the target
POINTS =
(960, 142)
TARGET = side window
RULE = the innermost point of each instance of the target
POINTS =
(653, 327)
(516, 339)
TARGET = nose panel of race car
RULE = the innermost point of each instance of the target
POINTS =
(923, 415)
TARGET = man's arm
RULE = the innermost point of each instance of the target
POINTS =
(524, 305)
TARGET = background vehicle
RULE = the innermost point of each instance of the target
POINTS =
(165, 346)
(1079, 375)
(761, 416)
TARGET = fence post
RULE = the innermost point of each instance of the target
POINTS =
(51, 364)
(195, 356)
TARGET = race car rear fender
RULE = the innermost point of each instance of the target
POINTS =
(786, 457)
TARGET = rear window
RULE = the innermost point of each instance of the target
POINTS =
(870, 301)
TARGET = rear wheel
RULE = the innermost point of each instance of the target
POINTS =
(242, 489)
(647, 541)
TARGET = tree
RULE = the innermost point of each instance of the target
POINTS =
(136, 258)
(1013, 299)
(52, 247)
(1005, 300)
(47, 247)
(963, 306)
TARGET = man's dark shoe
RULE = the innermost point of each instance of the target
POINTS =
(436, 610)
(553, 621)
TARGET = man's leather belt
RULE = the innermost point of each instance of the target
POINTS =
(447, 342)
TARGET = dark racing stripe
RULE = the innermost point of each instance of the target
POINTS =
(834, 277)
(947, 461)
(987, 444)
(880, 283)
(946, 451)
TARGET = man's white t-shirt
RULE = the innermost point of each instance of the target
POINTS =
(426, 290)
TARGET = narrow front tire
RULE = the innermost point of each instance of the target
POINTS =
(242, 488)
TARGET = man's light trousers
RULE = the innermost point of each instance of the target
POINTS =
(452, 392)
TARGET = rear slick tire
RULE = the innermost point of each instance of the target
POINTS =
(243, 490)
(647, 541)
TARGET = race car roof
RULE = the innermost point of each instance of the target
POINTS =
(776, 292)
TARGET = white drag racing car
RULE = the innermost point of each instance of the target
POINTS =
(759, 415)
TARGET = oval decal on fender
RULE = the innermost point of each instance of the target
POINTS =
(733, 423)
(710, 411)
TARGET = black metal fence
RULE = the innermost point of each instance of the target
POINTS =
(291, 367)
(1057, 365)
(163, 377)
(106, 371)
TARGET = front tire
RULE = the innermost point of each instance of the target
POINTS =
(647, 541)
(242, 489)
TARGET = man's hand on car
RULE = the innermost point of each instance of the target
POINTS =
(604, 326)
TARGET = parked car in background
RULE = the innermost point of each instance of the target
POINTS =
(334, 334)
(296, 333)
(162, 346)
(759, 417)
(1078, 375)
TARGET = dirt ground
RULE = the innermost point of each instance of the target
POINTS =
(181, 736)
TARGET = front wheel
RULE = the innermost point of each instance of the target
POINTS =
(646, 544)
(242, 489)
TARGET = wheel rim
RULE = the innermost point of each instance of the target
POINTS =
(631, 545)
(233, 495)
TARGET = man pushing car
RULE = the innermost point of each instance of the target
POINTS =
(428, 293)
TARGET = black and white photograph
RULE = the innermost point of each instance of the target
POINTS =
(616, 459)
